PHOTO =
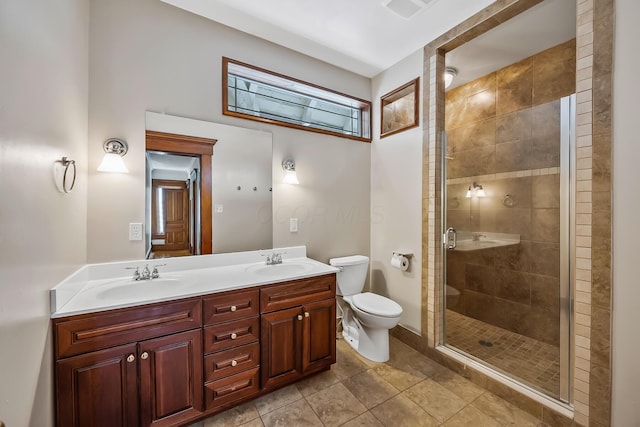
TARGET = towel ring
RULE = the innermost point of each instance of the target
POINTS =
(66, 162)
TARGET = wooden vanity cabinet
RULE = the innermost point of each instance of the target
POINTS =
(298, 329)
(153, 381)
(176, 362)
(99, 389)
(232, 347)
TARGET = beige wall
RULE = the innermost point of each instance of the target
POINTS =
(43, 116)
(396, 199)
(626, 232)
(164, 59)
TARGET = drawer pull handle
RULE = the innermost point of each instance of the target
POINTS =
(306, 314)
(234, 336)
(299, 316)
(234, 308)
(131, 358)
(144, 356)
(234, 363)
(234, 387)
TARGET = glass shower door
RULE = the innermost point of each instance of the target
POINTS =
(507, 200)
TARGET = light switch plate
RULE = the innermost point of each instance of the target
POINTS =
(293, 225)
(219, 208)
(135, 231)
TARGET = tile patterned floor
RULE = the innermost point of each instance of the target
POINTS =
(534, 362)
(409, 390)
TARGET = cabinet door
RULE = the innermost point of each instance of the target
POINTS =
(98, 388)
(281, 343)
(319, 336)
(171, 378)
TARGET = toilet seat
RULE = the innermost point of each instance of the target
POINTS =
(376, 304)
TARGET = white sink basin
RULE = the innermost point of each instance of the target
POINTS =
(130, 289)
(286, 268)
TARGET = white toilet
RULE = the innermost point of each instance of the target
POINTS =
(367, 320)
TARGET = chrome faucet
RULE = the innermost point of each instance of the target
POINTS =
(275, 258)
(146, 273)
(476, 236)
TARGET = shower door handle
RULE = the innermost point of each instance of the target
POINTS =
(450, 238)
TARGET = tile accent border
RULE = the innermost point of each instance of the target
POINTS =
(591, 335)
(505, 175)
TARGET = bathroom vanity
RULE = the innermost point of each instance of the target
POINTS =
(252, 330)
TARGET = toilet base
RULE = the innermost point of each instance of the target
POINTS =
(368, 342)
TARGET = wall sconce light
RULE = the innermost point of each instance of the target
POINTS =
(114, 149)
(290, 176)
(477, 189)
(449, 74)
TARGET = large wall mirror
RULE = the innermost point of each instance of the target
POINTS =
(199, 203)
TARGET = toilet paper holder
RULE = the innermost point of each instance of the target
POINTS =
(408, 255)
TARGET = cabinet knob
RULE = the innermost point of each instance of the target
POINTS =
(234, 363)
(131, 358)
(234, 336)
(299, 316)
(306, 314)
(234, 308)
(144, 356)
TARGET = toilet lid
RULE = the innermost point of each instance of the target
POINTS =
(377, 304)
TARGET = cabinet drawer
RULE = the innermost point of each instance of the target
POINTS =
(298, 292)
(229, 362)
(89, 332)
(231, 388)
(230, 306)
(231, 334)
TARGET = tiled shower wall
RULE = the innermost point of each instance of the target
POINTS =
(503, 132)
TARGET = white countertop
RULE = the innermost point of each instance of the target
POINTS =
(99, 287)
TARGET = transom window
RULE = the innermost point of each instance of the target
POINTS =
(256, 94)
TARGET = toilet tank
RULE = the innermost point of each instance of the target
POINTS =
(350, 280)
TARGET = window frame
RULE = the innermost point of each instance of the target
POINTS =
(364, 106)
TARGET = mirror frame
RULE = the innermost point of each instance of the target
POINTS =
(197, 147)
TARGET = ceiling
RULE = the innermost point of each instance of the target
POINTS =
(369, 36)
(362, 36)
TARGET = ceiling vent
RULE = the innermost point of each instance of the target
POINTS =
(407, 8)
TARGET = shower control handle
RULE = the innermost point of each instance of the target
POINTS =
(450, 238)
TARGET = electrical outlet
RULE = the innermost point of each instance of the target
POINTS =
(219, 208)
(135, 231)
(293, 225)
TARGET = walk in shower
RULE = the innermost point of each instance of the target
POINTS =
(507, 214)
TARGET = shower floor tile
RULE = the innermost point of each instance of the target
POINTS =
(534, 362)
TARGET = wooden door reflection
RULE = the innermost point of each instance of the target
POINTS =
(171, 217)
